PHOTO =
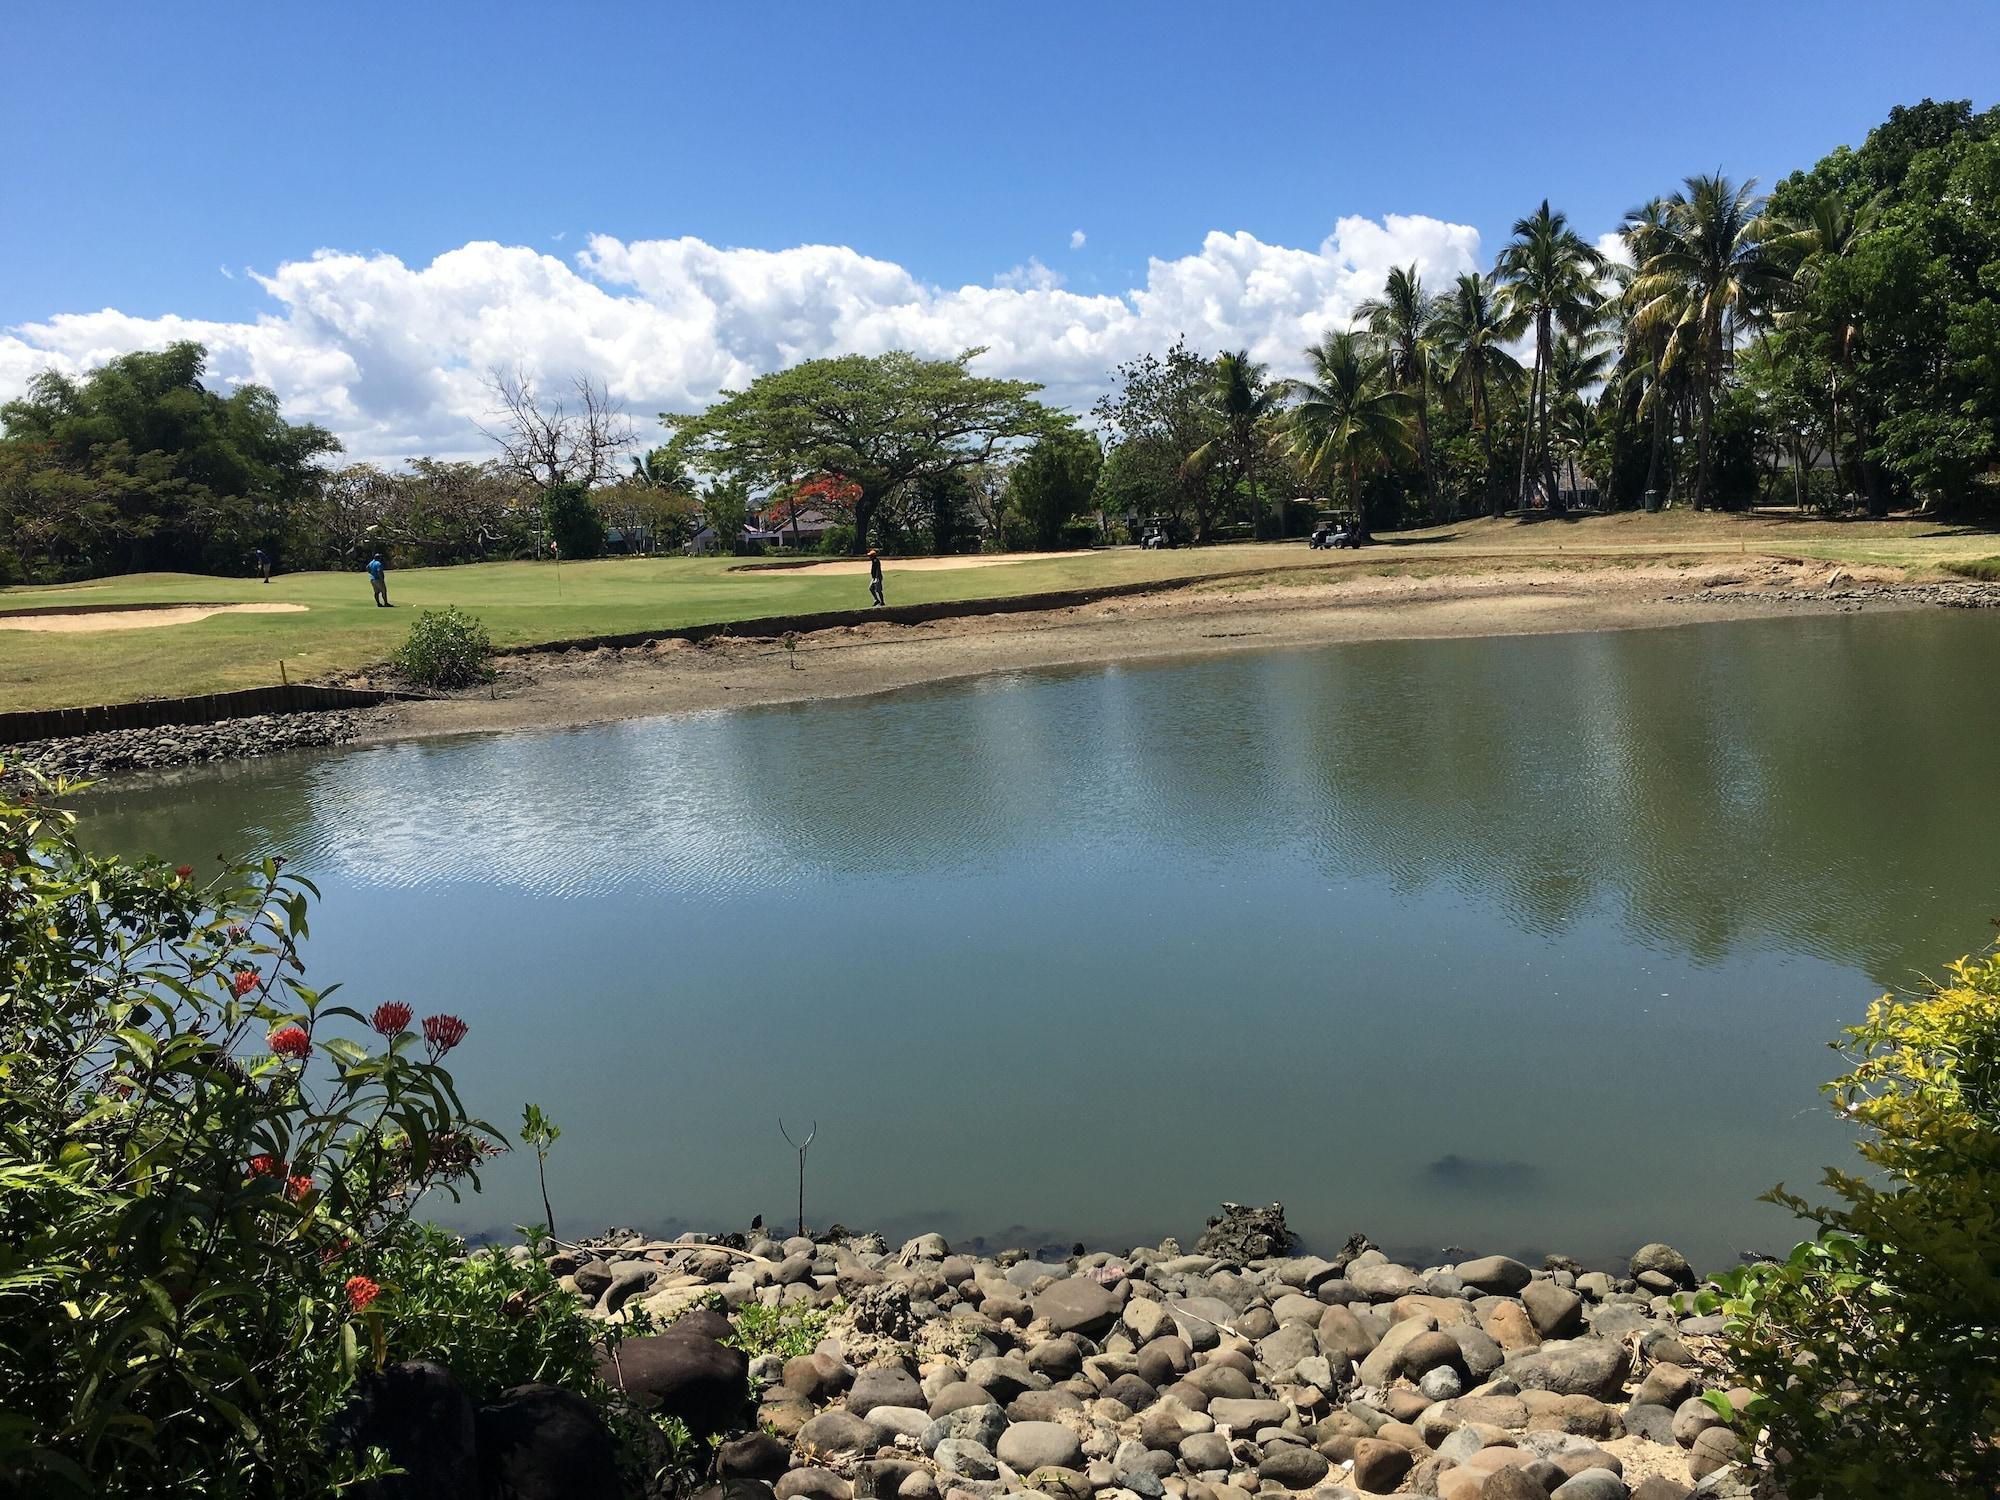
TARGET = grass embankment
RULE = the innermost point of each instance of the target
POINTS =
(340, 629)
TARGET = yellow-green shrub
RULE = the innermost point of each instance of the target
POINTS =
(1875, 1348)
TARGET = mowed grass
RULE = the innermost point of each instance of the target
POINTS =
(525, 603)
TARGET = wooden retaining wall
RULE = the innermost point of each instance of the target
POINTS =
(207, 708)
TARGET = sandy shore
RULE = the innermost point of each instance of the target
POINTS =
(672, 676)
(70, 621)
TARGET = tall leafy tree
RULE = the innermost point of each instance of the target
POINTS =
(1813, 252)
(1470, 330)
(1707, 278)
(1404, 318)
(1053, 483)
(139, 465)
(1551, 280)
(886, 423)
(1345, 419)
(1160, 414)
(1245, 402)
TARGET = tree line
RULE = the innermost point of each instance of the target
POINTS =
(1834, 345)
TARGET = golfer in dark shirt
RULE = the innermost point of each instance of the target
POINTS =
(875, 575)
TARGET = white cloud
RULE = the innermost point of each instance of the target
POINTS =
(391, 356)
(1034, 275)
(1076, 239)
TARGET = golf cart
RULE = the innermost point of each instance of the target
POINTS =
(1339, 528)
(1156, 532)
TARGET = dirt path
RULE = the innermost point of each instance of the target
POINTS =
(596, 686)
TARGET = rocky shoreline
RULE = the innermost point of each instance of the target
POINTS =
(121, 750)
(1236, 1368)
(1849, 593)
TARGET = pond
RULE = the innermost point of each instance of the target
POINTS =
(1516, 944)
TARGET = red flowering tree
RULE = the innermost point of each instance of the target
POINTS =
(207, 1169)
(830, 494)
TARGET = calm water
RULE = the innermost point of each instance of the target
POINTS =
(1517, 944)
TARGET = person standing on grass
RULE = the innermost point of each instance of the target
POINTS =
(263, 560)
(875, 576)
(380, 583)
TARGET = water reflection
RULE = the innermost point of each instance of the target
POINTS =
(1543, 933)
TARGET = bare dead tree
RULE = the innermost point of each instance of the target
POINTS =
(549, 441)
(802, 1150)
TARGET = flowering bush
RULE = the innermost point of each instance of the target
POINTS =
(207, 1169)
(1874, 1349)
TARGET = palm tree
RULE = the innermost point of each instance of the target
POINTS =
(1245, 400)
(1402, 318)
(1806, 250)
(1575, 366)
(1470, 333)
(660, 469)
(1344, 416)
(1707, 277)
(1643, 381)
(1551, 277)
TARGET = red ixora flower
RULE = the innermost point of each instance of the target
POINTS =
(361, 1291)
(444, 1033)
(265, 1165)
(297, 1187)
(243, 981)
(183, 872)
(292, 1042)
(391, 1018)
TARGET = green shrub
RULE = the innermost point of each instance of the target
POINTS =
(494, 1320)
(445, 648)
(1874, 1349)
(836, 541)
(785, 1331)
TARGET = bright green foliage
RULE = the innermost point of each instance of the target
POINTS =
(446, 648)
(1894, 321)
(1054, 483)
(574, 524)
(495, 1321)
(784, 1331)
(1875, 1349)
(202, 1163)
(139, 466)
(885, 422)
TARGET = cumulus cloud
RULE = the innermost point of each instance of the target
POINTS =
(392, 357)
(1076, 239)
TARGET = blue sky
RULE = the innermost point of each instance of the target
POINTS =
(156, 151)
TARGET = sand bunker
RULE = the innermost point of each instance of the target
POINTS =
(62, 621)
(853, 565)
